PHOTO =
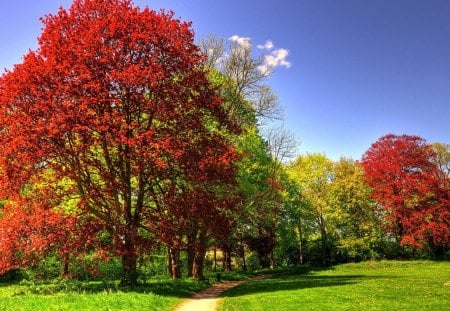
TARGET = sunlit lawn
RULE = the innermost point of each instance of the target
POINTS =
(157, 295)
(385, 285)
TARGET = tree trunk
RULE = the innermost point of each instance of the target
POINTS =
(229, 267)
(224, 259)
(168, 263)
(244, 264)
(129, 260)
(190, 252)
(215, 259)
(65, 270)
(129, 269)
(199, 259)
(300, 242)
(323, 235)
(272, 260)
(174, 256)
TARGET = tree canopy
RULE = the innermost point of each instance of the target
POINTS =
(407, 183)
(116, 101)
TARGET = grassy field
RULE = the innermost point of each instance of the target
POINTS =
(156, 295)
(385, 285)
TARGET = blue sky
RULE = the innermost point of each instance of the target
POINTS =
(359, 69)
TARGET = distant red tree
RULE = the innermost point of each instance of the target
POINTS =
(409, 186)
(116, 102)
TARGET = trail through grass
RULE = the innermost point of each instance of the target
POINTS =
(157, 294)
(385, 285)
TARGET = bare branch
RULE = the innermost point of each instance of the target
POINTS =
(246, 75)
(267, 105)
(282, 144)
(214, 48)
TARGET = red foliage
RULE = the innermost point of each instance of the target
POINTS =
(407, 183)
(115, 100)
(27, 235)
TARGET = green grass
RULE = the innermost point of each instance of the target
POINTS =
(161, 294)
(385, 285)
(158, 294)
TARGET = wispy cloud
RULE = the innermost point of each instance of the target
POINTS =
(272, 57)
(267, 46)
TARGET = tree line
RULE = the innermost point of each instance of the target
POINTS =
(120, 136)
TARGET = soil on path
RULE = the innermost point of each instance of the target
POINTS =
(207, 299)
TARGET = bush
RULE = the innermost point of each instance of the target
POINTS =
(15, 275)
(48, 268)
(252, 261)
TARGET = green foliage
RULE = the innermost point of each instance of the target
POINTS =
(331, 205)
(48, 268)
(15, 275)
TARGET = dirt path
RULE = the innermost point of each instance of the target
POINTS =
(207, 299)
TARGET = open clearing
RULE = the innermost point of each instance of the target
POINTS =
(385, 285)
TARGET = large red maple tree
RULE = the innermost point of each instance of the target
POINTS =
(115, 102)
(408, 184)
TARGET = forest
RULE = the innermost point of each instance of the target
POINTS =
(128, 149)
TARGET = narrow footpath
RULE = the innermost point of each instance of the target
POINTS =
(207, 299)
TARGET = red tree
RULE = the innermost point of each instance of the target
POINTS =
(409, 186)
(115, 102)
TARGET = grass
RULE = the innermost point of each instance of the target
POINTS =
(385, 285)
(162, 294)
(157, 294)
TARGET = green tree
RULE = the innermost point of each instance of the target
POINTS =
(442, 157)
(314, 174)
(356, 225)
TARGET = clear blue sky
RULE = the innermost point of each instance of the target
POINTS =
(360, 69)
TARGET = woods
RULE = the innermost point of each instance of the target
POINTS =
(120, 138)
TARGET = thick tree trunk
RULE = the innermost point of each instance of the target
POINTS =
(199, 259)
(129, 269)
(129, 260)
(174, 259)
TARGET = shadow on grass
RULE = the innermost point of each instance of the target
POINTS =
(294, 280)
(181, 288)
(285, 279)
(161, 287)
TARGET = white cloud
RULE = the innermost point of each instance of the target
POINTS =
(242, 41)
(276, 58)
(267, 46)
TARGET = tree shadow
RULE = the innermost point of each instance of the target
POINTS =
(181, 289)
(295, 281)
